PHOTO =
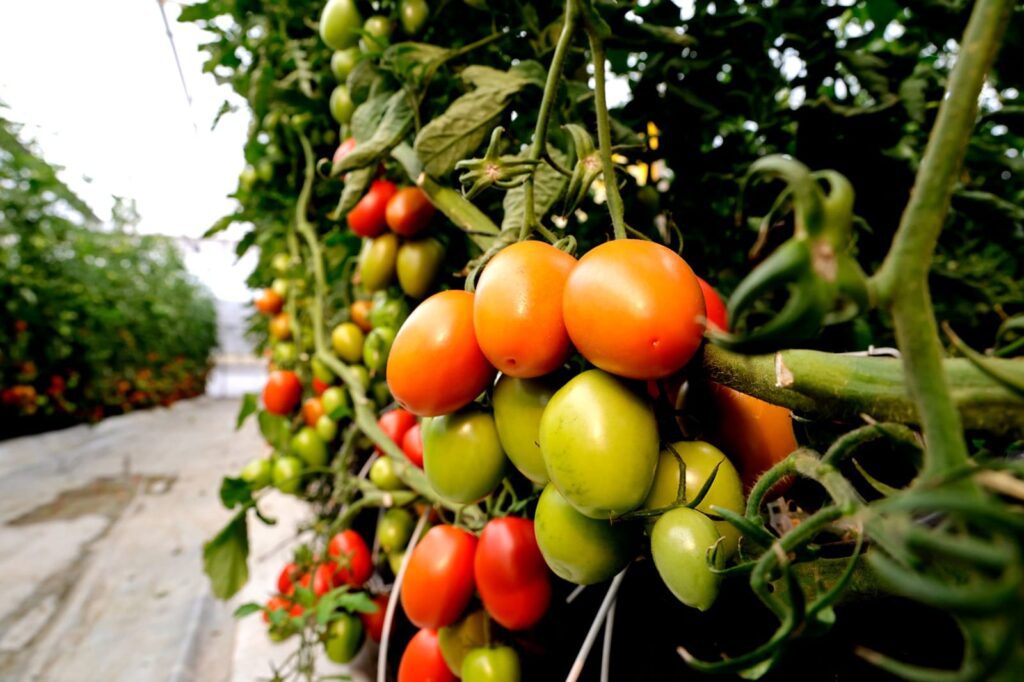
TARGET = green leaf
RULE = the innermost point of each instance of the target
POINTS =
(341, 412)
(459, 131)
(548, 185)
(235, 492)
(357, 602)
(394, 124)
(356, 184)
(250, 403)
(368, 115)
(362, 80)
(275, 429)
(225, 557)
(411, 63)
(247, 610)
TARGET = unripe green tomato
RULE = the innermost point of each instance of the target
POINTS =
(342, 63)
(680, 543)
(600, 444)
(418, 263)
(339, 24)
(247, 178)
(265, 169)
(388, 312)
(486, 664)
(462, 455)
(578, 548)
(382, 474)
(287, 474)
(347, 341)
(280, 263)
(459, 638)
(256, 473)
(395, 561)
(344, 638)
(308, 445)
(280, 286)
(700, 459)
(377, 30)
(377, 261)
(413, 14)
(321, 371)
(395, 529)
(376, 348)
(286, 354)
(326, 428)
(341, 104)
(381, 393)
(333, 399)
(518, 407)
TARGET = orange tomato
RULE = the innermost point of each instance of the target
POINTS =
(281, 327)
(634, 308)
(755, 434)
(717, 315)
(269, 302)
(435, 365)
(312, 409)
(360, 313)
(409, 212)
(517, 312)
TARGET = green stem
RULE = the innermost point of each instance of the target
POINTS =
(902, 281)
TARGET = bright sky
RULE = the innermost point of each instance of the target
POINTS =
(96, 86)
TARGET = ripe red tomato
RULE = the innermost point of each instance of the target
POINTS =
(395, 424)
(320, 386)
(279, 603)
(312, 409)
(282, 392)
(422, 660)
(367, 218)
(439, 579)
(717, 316)
(436, 366)
(409, 212)
(412, 445)
(634, 308)
(517, 310)
(285, 581)
(269, 302)
(325, 578)
(374, 622)
(353, 556)
(755, 434)
(511, 576)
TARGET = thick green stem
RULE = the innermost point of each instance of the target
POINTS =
(902, 281)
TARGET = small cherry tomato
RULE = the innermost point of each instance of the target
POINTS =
(312, 410)
(409, 212)
(680, 544)
(422, 660)
(319, 386)
(341, 104)
(395, 529)
(461, 637)
(287, 474)
(339, 24)
(342, 63)
(282, 392)
(376, 33)
(412, 445)
(256, 473)
(326, 428)
(310, 447)
(359, 311)
(281, 327)
(439, 578)
(269, 302)
(281, 604)
(376, 348)
(286, 579)
(417, 265)
(413, 14)
(347, 340)
(382, 475)
(333, 400)
(367, 218)
(324, 578)
(491, 664)
(353, 556)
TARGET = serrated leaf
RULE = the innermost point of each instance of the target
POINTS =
(368, 115)
(250, 403)
(361, 80)
(247, 610)
(412, 62)
(548, 185)
(459, 131)
(356, 602)
(235, 492)
(221, 225)
(225, 558)
(393, 126)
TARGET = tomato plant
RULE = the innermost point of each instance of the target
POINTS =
(368, 217)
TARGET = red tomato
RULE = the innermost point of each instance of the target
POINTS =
(634, 308)
(325, 578)
(439, 579)
(269, 302)
(285, 580)
(367, 217)
(395, 424)
(344, 149)
(716, 313)
(319, 386)
(412, 445)
(436, 366)
(282, 392)
(511, 576)
(312, 410)
(755, 434)
(353, 556)
(279, 603)
(517, 310)
(409, 212)
(374, 622)
(422, 660)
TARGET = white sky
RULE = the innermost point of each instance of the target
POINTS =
(96, 86)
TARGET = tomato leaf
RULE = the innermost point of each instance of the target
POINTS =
(394, 124)
(235, 492)
(362, 80)
(368, 115)
(247, 610)
(356, 602)
(225, 558)
(356, 184)
(250, 404)
(548, 186)
(275, 429)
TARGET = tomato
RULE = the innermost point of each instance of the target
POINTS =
(286, 579)
(280, 263)
(342, 63)
(319, 386)
(281, 327)
(439, 578)
(280, 287)
(498, 664)
(366, 219)
(517, 311)
(413, 14)
(518, 406)
(382, 474)
(326, 428)
(347, 340)
(412, 445)
(282, 392)
(256, 473)
(310, 447)
(287, 474)
(586, 431)
(374, 622)
(285, 354)
(459, 638)
(387, 311)
(717, 316)
(377, 261)
(269, 302)
(396, 423)
(418, 264)
(394, 530)
(344, 638)
(376, 348)
(679, 544)
(422, 660)
(462, 455)
(757, 434)
(409, 212)
(281, 604)
(376, 33)
(341, 104)
(333, 400)
(312, 410)
(339, 24)
(436, 366)
(353, 556)
(511, 576)
(321, 371)
(634, 308)
(359, 311)
(324, 578)
(578, 548)
(395, 560)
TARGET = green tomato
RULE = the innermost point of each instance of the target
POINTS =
(247, 178)
(326, 428)
(600, 444)
(459, 638)
(321, 371)
(413, 14)
(377, 33)
(700, 459)
(418, 264)
(287, 474)
(347, 340)
(344, 638)
(280, 286)
(395, 529)
(281, 262)
(308, 445)
(578, 548)
(341, 104)
(256, 473)
(376, 348)
(333, 399)
(381, 393)
(680, 543)
(462, 455)
(339, 24)
(286, 354)
(265, 169)
(377, 261)
(499, 664)
(342, 63)
(518, 406)
(395, 561)
(383, 475)
(388, 312)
